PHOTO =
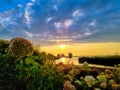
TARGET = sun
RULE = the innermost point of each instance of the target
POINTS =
(62, 46)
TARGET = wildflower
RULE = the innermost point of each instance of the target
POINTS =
(102, 78)
(68, 86)
(90, 80)
(115, 86)
(103, 85)
(81, 78)
(110, 76)
(112, 81)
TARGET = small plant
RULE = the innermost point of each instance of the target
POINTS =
(86, 66)
(20, 47)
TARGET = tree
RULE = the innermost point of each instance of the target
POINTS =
(70, 55)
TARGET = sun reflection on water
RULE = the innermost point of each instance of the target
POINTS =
(63, 59)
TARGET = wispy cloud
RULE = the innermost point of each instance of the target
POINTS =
(77, 13)
(93, 23)
(64, 25)
(87, 33)
(9, 18)
(48, 19)
(28, 34)
(68, 23)
(55, 7)
(28, 11)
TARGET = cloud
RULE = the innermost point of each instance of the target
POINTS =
(33, 1)
(28, 34)
(77, 13)
(64, 25)
(87, 33)
(60, 40)
(55, 7)
(19, 6)
(28, 11)
(9, 18)
(2, 26)
(58, 25)
(68, 23)
(48, 19)
(93, 23)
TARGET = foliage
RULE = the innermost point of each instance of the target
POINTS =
(85, 66)
(9, 73)
(103, 60)
(28, 73)
(29, 76)
(90, 79)
(43, 56)
(68, 86)
(51, 57)
(20, 47)
(39, 77)
(107, 80)
(70, 55)
(38, 71)
(4, 46)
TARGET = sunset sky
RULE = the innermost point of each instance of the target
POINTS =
(85, 27)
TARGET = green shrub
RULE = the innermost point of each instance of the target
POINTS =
(39, 77)
(9, 74)
(31, 76)
(3, 46)
(20, 47)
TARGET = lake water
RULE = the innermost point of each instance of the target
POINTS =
(74, 60)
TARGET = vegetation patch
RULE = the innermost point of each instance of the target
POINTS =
(38, 71)
(105, 60)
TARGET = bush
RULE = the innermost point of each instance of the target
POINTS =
(9, 74)
(3, 46)
(31, 76)
(20, 47)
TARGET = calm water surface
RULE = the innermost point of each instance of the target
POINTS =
(74, 60)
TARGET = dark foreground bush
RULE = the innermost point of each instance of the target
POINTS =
(14, 75)
(4, 46)
(106, 60)
(22, 70)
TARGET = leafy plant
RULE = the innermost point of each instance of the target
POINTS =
(9, 73)
(3, 46)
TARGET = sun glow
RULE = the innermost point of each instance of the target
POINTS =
(84, 49)
(62, 46)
